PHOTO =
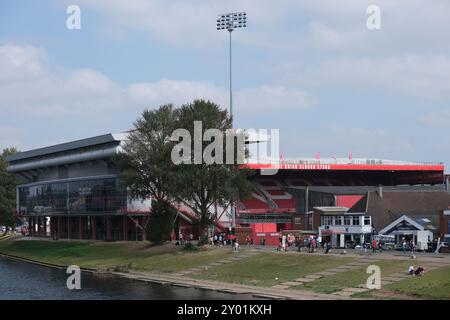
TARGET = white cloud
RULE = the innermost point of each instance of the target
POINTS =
(191, 23)
(30, 87)
(424, 76)
(20, 63)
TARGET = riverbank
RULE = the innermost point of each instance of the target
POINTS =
(259, 272)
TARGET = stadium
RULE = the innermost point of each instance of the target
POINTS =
(73, 191)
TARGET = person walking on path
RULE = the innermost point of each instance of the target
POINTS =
(374, 246)
(313, 244)
(327, 246)
(404, 246)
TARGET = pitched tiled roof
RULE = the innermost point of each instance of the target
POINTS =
(393, 205)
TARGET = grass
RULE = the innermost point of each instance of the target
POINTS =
(268, 269)
(355, 277)
(433, 285)
(114, 255)
(265, 269)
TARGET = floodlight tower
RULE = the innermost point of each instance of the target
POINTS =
(231, 21)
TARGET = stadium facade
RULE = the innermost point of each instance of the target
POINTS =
(73, 191)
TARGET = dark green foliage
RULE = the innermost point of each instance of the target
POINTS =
(160, 223)
(147, 168)
(7, 191)
(189, 246)
(145, 164)
(200, 186)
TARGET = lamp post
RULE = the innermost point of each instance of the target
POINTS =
(231, 21)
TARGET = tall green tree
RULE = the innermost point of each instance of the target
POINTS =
(145, 165)
(201, 185)
(149, 170)
(7, 191)
(144, 162)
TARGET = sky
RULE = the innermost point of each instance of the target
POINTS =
(311, 69)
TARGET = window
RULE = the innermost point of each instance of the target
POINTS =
(326, 220)
(347, 221)
(367, 221)
(338, 220)
(356, 221)
(80, 196)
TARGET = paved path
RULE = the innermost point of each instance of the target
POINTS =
(237, 256)
(286, 289)
(329, 272)
(258, 292)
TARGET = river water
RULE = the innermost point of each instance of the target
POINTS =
(24, 281)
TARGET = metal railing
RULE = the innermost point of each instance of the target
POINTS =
(339, 161)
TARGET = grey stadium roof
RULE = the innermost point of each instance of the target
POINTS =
(93, 141)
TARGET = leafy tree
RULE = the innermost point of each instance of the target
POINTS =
(148, 170)
(161, 221)
(200, 186)
(7, 191)
(145, 164)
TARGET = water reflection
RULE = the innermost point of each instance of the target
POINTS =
(20, 280)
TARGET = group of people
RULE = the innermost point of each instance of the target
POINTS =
(285, 242)
(310, 243)
(408, 246)
(221, 239)
(183, 238)
(420, 271)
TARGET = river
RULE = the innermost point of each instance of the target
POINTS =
(25, 281)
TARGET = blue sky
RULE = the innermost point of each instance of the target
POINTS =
(309, 68)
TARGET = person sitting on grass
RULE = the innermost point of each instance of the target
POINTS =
(420, 271)
(411, 270)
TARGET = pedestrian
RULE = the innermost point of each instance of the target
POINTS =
(374, 245)
(319, 242)
(236, 246)
(327, 246)
(404, 246)
(411, 270)
(313, 244)
(420, 271)
(180, 237)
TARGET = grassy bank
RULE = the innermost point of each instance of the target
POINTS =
(113, 255)
(355, 277)
(268, 269)
(433, 285)
(264, 269)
